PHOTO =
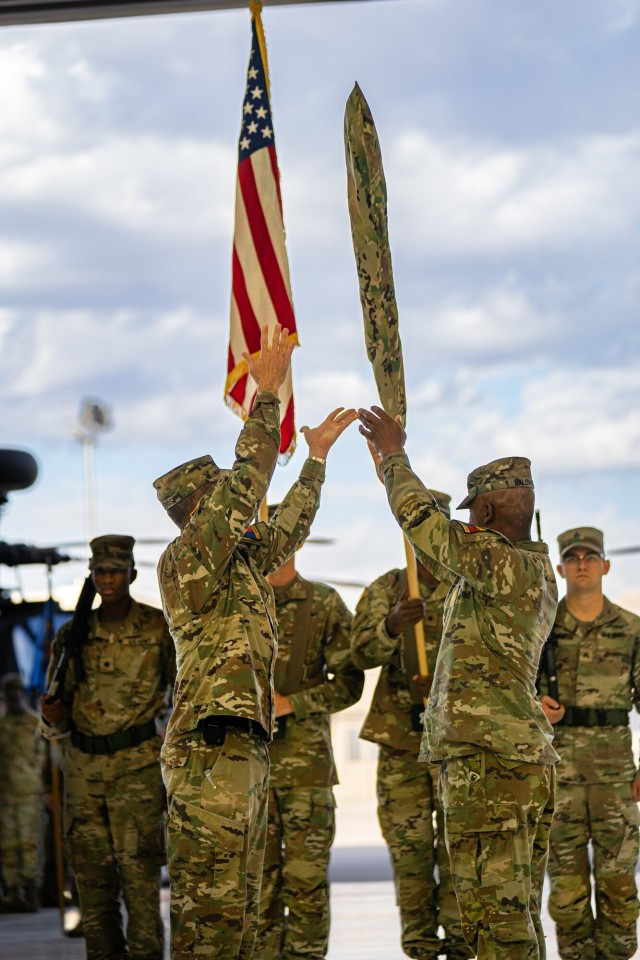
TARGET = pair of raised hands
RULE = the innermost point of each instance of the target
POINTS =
(269, 370)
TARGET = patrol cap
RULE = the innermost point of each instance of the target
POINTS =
(588, 537)
(498, 475)
(174, 486)
(443, 500)
(114, 550)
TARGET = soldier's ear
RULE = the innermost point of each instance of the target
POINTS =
(560, 569)
(606, 567)
(132, 574)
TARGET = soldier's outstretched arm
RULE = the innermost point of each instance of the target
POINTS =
(224, 512)
(291, 522)
(462, 550)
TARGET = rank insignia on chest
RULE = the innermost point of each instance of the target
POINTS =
(106, 665)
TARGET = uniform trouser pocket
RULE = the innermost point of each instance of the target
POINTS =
(491, 815)
(217, 821)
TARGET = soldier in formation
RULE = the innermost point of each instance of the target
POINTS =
(590, 682)
(221, 613)
(314, 678)
(115, 686)
(483, 722)
(409, 811)
(21, 811)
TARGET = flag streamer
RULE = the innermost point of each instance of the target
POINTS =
(261, 286)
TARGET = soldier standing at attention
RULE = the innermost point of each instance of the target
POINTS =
(597, 664)
(21, 810)
(483, 722)
(114, 689)
(314, 677)
(222, 617)
(383, 636)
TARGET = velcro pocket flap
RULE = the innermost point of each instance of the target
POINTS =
(482, 817)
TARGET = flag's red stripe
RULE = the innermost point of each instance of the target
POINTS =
(248, 321)
(264, 248)
(239, 391)
(276, 174)
(286, 428)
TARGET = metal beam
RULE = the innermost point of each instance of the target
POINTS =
(16, 12)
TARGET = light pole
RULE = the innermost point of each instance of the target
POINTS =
(94, 418)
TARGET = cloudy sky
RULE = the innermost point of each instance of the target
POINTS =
(511, 140)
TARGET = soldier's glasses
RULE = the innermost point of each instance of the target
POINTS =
(573, 560)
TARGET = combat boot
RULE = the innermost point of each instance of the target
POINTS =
(10, 902)
(29, 899)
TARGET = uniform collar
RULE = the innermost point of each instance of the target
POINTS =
(294, 590)
(104, 628)
(534, 546)
(609, 612)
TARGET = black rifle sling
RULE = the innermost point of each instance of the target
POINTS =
(409, 651)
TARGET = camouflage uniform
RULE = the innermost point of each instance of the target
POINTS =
(313, 621)
(222, 617)
(407, 792)
(114, 798)
(21, 812)
(597, 665)
(483, 722)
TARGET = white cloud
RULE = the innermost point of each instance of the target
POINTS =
(457, 198)
(25, 122)
(175, 189)
(499, 321)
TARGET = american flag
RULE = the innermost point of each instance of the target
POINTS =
(261, 289)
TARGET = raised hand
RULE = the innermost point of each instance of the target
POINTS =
(269, 369)
(382, 431)
(323, 437)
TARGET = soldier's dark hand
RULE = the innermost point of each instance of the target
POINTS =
(386, 434)
(553, 710)
(53, 710)
(423, 684)
(323, 437)
(405, 614)
(269, 369)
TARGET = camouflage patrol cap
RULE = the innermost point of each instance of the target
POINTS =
(588, 537)
(174, 486)
(498, 475)
(114, 550)
(443, 500)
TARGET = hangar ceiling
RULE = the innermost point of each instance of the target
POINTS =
(14, 12)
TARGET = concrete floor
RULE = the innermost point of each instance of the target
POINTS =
(364, 927)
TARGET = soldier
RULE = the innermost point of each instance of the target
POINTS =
(483, 722)
(596, 648)
(221, 613)
(383, 635)
(21, 812)
(314, 677)
(114, 689)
